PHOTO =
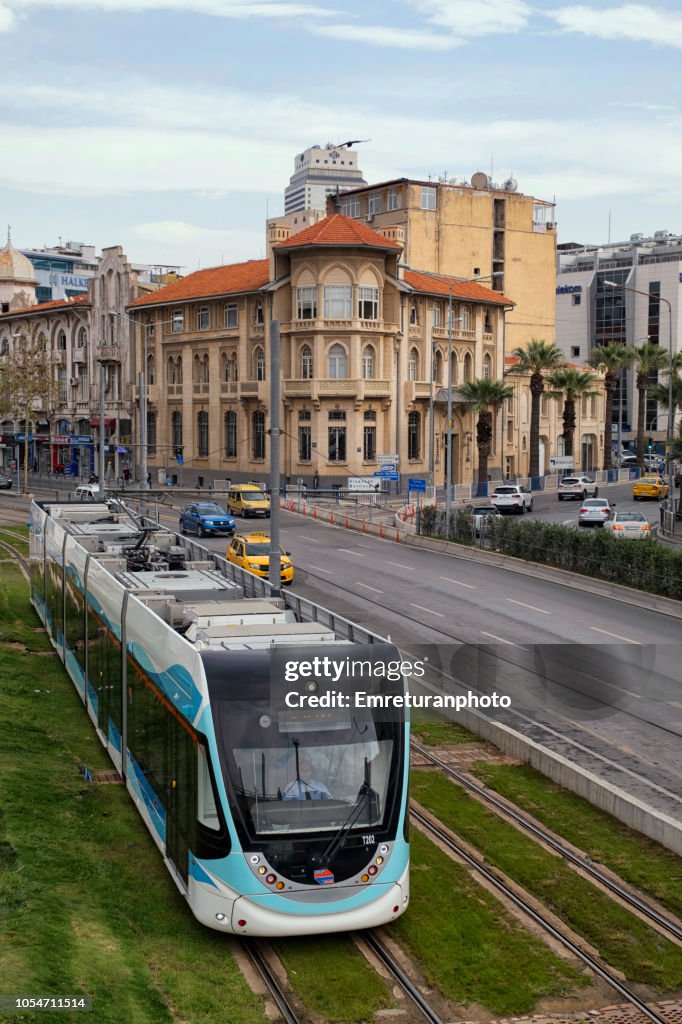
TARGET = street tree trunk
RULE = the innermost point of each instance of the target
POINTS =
(609, 391)
(537, 386)
(569, 426)
(484, 433)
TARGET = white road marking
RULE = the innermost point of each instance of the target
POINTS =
(423, 609)
(367, 587)
(503, 641)
(459, 583)
(320, 569)
(607, 632)
(533, 608)
(314, 540)
(400, 565)
(347, 551)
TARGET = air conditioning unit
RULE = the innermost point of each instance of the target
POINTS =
(549, 225)
(370, 218)
(73, 381)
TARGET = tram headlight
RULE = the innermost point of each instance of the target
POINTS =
(262, 869)
(220, 917)
(380, 860)
(383, 848)
(254, 858)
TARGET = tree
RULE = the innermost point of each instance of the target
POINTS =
(610, 358)
(571, 384)
(485, 394)
(27, 382)
(536, 359)
(649, 359)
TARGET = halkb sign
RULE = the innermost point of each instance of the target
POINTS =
(68, 281)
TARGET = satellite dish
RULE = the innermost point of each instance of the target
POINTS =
(511, 184)
(480, 180)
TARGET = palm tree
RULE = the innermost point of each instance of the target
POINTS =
(610, 358)
(571, 384)
(485, 394)
(649, 359)
(535, 360)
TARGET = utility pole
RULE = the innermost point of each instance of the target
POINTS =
(275, 571)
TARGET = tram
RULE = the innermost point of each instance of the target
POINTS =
(274, 817)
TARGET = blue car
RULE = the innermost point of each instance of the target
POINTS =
(205, 518)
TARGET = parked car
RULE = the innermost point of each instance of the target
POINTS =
(483, 516)
(512, 498)
(650, 462)
(248, 500)
(252, 552)
(204, 518)
(628, 526)
(5, 481)
(594, 512)
(650, 487)
(577, 487)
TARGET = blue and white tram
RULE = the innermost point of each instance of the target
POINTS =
(273, 817)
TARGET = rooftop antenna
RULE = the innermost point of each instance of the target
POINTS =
(608, 239)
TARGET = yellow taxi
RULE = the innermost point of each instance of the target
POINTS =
(650, 487)
(251, 551)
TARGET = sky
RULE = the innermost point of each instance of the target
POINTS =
(170, 127)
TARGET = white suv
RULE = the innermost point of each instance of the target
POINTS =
(579, 487)
(511, 498)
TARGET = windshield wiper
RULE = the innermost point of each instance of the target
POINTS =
(337, 840)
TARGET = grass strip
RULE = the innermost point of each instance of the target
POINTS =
(439, 733)
(470, 948)
(637, 860)
(333, 978)
(623, 940)
(86, 905)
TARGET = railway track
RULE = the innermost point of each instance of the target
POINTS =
(631, 900)
(397, 973)
(14, 552)
(259, 961)
(447, 840)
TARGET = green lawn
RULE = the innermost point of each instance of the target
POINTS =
(606, 840)
(623, 940)
(86, 905)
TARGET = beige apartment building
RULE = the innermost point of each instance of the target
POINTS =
(364, 350)
(476, 229)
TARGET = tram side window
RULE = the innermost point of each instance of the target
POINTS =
(74, 622)
(95, 650)
(54, 596)
(207, 811)
(111, 680)
(148, 725)
(37, 568)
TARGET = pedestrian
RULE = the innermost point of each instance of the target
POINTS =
(126, 474)
(35, 465)
(316, 480)
(149, 480)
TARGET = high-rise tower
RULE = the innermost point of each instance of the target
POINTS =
(318, 173)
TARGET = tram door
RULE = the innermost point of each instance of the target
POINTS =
(181, 788)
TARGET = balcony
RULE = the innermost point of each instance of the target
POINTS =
(416, 390)
(109, 353)
(152, 393)
(230, 387)
(298, 388)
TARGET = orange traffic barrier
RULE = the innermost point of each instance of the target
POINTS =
(364, 526)
(331, 517)
(346, 522)
(381, 529)
(397, 535)
(315, 512)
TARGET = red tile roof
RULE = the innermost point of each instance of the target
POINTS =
(338, 230)
(431, 284)
(76, 300)
(229, 280)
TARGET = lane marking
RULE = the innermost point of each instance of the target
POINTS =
(347, 551)
(459, 583)
(320, 569)
(423, 609)
(400, 565)
(533, 608)
(608, 632)
(367, 587)
(314, 540)
(502, 640)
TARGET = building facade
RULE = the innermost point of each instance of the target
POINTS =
(624, 293)
(320, 172)
(473, 230)
(87, 339)
(364, 364)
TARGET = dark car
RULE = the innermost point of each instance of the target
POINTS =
(204, 518)
(5, 481)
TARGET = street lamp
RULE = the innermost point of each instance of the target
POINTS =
(671, 407)
(450, 282)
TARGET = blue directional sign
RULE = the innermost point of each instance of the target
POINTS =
(416, 485)
(179, 459)
(387, 474)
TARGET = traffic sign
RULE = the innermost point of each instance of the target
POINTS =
(361, 483)
(416, 485)
(388, 460)
(387, 474)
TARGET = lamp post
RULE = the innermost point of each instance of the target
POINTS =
(450, 282)
(671, 407)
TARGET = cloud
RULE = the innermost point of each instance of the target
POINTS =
(236, 9)
(472, 18)
(382, 35)
(628, 21)
(7, 19)
(228, 245)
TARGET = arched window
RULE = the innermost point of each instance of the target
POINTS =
(151, 433)
(468, 367)
(414, 431)
(368, 363)
(438, 367)
(465, 314)
(151, 369)
(307, 363)
(196, 370)
(205, 369)
(178, 370)
(230, 432)
(487, 322)
(171, 370)
(436, 315)
(338, 367)
(224, 368)
(259, 364)
(258, 435)
(61, 341)
(414, 317)
(4, 347)
(202, 435)
(42, 342)
(176, 429)
(82, 338)
(453, 368)
(234, 372)
(487, 366)
(413, 365)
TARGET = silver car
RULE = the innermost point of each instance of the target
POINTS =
(483, 517)
(594, 512)
(628, 526)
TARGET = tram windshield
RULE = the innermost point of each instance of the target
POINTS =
(289, 777)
